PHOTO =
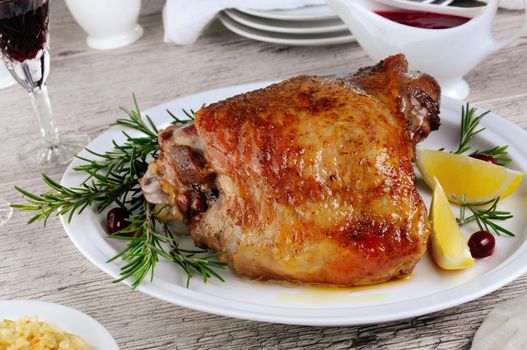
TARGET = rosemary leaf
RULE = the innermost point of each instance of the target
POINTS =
(486, 215)
(113, 179)
(469, 127)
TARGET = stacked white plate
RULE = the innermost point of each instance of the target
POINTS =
(310, 25)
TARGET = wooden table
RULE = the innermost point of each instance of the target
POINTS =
(88, 86)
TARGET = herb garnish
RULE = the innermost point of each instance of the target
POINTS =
(112, 179)
(485, 214)
(469, 128)
(145, 246)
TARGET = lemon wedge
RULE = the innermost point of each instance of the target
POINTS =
(449, 248)
(460, 174)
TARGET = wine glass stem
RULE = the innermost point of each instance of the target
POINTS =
(42, 107)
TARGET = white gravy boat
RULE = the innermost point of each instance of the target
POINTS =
(445, 54)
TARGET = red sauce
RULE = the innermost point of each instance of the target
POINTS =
(421, 19)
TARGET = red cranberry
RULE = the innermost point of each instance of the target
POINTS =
(484, 157)
(481, 244)
(116, 220)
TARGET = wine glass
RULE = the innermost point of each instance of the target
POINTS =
(24, 49)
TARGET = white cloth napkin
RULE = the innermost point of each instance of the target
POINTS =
(184, 20)
(511, 4)
(504, 327)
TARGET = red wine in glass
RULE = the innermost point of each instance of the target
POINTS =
(23, 28)
(24, 50)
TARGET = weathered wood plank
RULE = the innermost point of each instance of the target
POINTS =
(87, 86)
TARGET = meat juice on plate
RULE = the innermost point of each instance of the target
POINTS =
(23, 28)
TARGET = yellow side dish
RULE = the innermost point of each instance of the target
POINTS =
(33, 334)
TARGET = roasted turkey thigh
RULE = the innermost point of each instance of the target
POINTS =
(308, 180)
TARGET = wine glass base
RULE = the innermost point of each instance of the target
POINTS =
(5, 212)
(38, 156)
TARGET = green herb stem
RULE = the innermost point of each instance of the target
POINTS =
(113, 179)
(485, 214)
(470, 128)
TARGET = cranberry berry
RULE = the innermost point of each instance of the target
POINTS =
(484, 157)
(116, 220)
(481, 244)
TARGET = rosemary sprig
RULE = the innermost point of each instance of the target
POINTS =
(469, 128)
(499, 153)
(113, 179)
(131, 158)
(145, 246)
(469, 124)
(485, 214)
(62, 200)
(198, 260)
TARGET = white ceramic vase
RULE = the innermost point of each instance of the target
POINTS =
(109, 23)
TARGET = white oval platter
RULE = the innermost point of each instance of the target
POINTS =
(428, 290)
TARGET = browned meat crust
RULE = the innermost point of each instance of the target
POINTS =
(308, 180)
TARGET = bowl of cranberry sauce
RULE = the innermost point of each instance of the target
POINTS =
(421, 19)
(443, 42)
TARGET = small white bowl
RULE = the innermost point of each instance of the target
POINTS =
(65, 318)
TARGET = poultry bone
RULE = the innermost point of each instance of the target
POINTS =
(308, 180)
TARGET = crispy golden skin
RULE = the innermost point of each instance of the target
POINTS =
(314, 177)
